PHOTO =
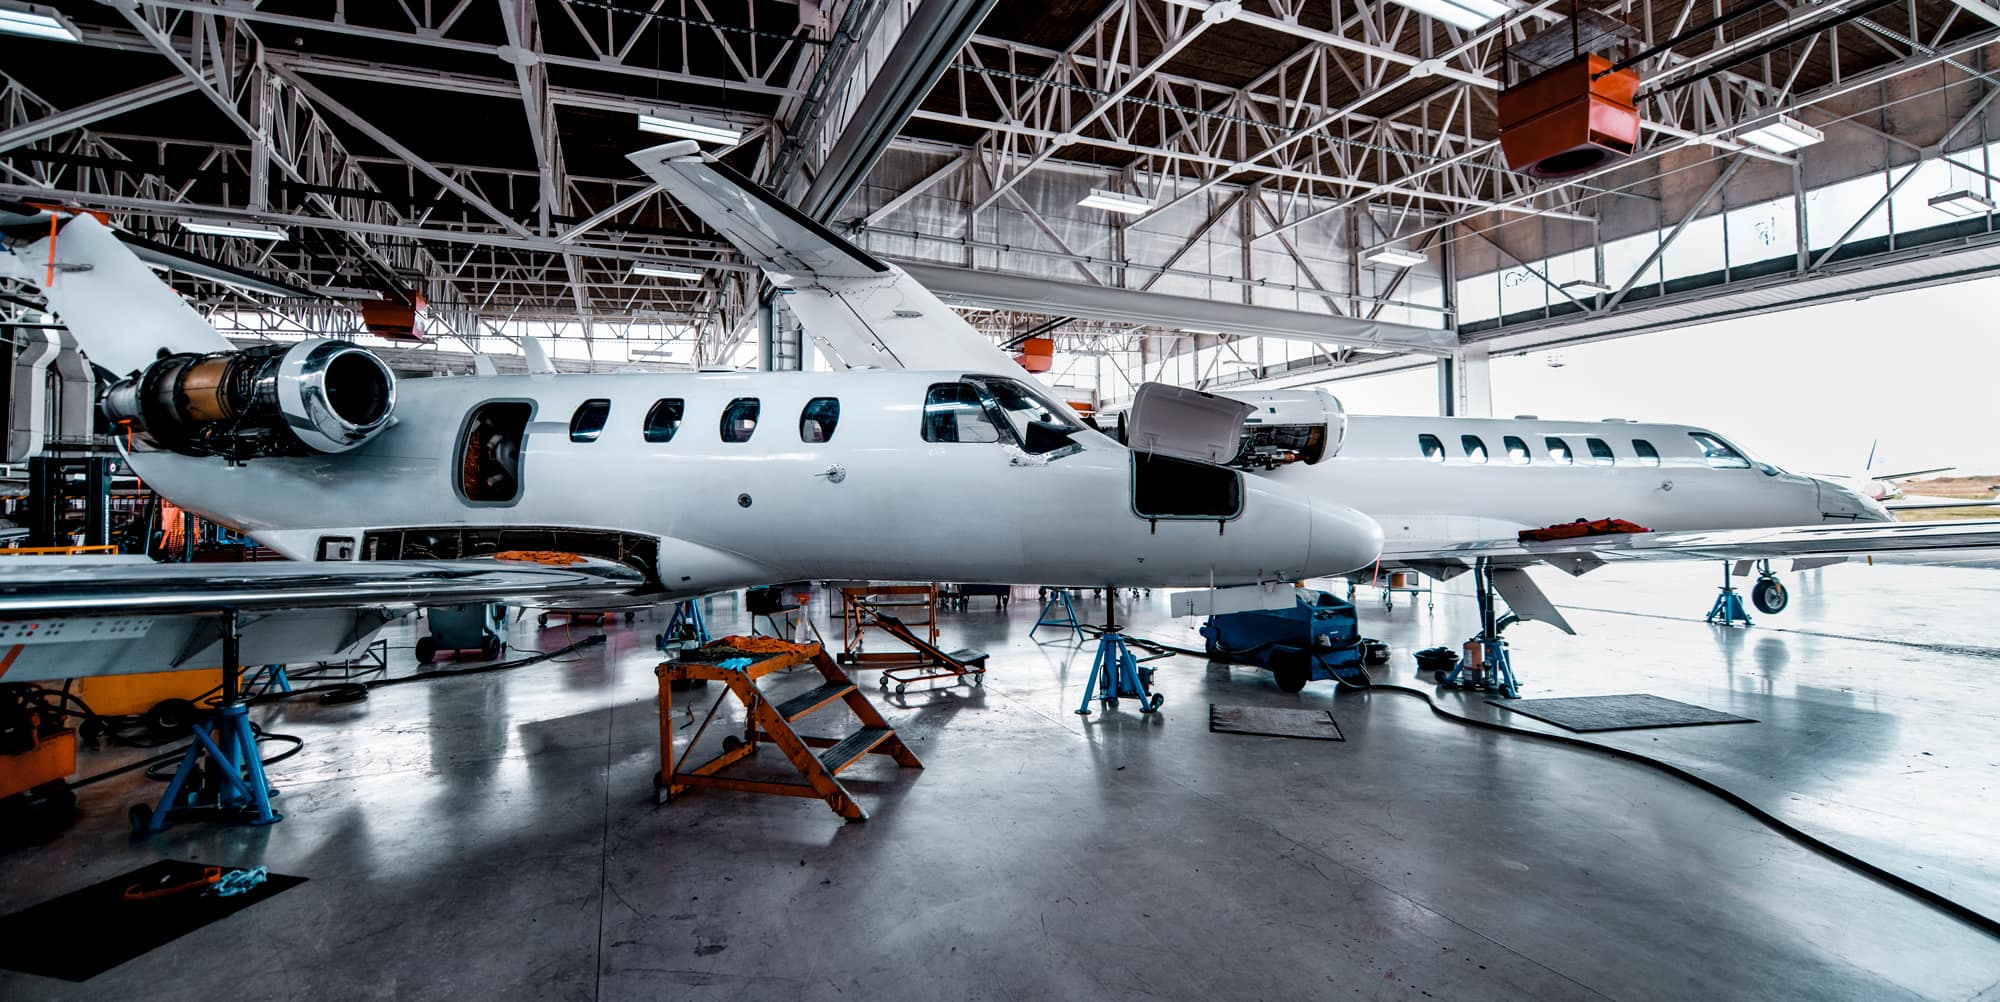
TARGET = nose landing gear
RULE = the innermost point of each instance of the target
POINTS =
(1769, 594)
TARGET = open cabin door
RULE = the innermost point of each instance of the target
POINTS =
(1179, 437)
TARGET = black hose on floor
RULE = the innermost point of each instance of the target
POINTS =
(1965, 913)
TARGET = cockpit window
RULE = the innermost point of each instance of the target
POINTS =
(1517, 450)
(1433, 449)
(817, 421)
(1600, 452)
(1719, 453)
(588, 421)
(953, 412)
(1039, 424)
(1559, 453)
(1475, 447)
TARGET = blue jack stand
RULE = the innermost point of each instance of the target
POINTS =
(1728, 608)
(1066, 619)
(267, 680)
(1494, 671)
(1115, 673)
(687, 628)
(222, 773)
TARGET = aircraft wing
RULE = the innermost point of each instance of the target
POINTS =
(1917, 502)
(866, 311)
(1809, 542)
(32, 587)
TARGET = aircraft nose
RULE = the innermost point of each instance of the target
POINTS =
(1841, 503)
(1343, 540)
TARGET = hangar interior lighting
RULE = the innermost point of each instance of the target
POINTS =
(1962, 203)
(1396, 258)
(721, 134)
(1111, 201)
(1585, 287)
(36, 21)
(1783, 134)
(1467, 14)
(642, 269)
(228, 228)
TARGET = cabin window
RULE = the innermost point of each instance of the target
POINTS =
(665, 419)
(1475, 448)
(1559, 453)
(1517, 450)
(1600, 452)
(739, 419)
(588, 421)
(1433, 448)
(489, 452)
(953, 412)
(1718, 452)
(1165, 487)
(1648, 456)
(817, 421)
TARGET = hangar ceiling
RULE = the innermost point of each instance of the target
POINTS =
(473, 151)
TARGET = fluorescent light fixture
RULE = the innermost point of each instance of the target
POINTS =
(968, 308)
(1783, 134)
(37, 21)
(725, 135)
(352, 292)
(1962, 203)
(228, 228)
(664, 271)
(1585, 287)
(1468, 14)
(1111, 201)
(1396, 258)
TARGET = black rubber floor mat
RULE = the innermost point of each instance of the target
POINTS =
(1273, 722)
(1629, 712)
(85, 933)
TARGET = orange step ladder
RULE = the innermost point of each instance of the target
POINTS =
(819, 759)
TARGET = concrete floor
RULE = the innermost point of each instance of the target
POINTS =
(496, 837)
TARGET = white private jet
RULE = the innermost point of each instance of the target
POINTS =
(696, 482)
(1452, 494)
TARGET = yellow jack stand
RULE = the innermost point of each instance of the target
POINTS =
(772, 722)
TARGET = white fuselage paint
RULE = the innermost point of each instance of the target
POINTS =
(874, 501)
(1421, 503)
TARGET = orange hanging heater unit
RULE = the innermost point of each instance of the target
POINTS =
(396, 321)
(1038, 354)
(1571, 119)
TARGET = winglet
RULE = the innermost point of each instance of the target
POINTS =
(861, 310)
(538, 357)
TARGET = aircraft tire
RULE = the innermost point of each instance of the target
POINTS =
(1769, 596)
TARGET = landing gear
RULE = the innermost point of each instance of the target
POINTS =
(1728, 607)
(1485, 666)
(1769, 594)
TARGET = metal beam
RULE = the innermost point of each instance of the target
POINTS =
(96, 111)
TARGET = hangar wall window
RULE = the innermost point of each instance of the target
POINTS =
(1559, 453)
(1648, 456)
(489, 452)
(588, 421)
(739, 419)
(953, 412)
(1475, 448)
(665, 419)
(1600, 452)
(1718, 453)
(1433, 449)
(817, 421)
(1517, 450)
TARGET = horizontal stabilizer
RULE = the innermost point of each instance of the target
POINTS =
(121, 314)
(862, 310)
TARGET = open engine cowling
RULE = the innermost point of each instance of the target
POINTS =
(271, 400)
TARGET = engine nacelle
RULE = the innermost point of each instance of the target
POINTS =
(1290, 426)
(269, 400)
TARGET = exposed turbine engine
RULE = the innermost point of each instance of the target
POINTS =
(271, 400)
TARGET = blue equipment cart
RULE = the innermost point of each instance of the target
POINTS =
(478, 627)
(1318, 638)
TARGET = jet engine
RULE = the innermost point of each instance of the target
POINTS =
(1290, 426)
(271, 400)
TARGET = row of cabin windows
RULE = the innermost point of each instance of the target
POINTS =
(739, 419)
(1716, 451)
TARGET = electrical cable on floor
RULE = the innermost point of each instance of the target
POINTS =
(1965, 913)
